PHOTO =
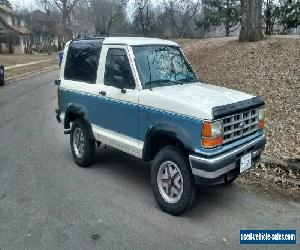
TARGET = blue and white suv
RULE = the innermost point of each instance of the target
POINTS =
(142, 96)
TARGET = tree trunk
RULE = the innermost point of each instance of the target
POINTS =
(227, 28)
(64, 24)
(251, 30)
(11, 49)
(268, 17)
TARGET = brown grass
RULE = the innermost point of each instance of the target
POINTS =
(15, 72)
(9, 60)
(269, 68)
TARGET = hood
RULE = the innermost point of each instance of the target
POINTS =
(202, 95)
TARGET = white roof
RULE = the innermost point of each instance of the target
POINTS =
(137, 41)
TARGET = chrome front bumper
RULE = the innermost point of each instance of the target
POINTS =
(211, 168)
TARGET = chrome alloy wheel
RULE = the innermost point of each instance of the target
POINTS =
(170, 182)
(78, 142)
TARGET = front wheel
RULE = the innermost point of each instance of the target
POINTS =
(83, 148)
(229, 180)
(172, 181)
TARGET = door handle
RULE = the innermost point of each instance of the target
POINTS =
(102, 93)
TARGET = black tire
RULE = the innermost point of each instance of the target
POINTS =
(89, 145)
(230, 177)
(169, 155)
(229, 181)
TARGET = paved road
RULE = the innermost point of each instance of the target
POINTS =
(47, 202)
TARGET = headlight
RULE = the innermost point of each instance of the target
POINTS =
(261, 114)
(261, 118)
(212, 134)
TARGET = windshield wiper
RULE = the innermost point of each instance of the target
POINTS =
(163, 82)
(189, 79)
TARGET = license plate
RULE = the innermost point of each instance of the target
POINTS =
(246, 162)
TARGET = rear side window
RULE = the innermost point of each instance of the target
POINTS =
(117, 70)
(82, 61)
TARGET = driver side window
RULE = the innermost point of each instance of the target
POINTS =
(117, 70)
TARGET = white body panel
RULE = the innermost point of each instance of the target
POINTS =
(118, 141)
(131, 41)
(195, 99)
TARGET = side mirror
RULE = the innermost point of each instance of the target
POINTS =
(123, 91)
(57, 82)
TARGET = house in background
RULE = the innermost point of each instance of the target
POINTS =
(46, 30)
(15, 37)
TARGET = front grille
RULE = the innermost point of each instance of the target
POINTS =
(241, 124)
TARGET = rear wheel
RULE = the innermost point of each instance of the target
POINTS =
(172, 181)
(83, 148)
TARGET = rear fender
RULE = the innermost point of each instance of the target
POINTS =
(77, 111)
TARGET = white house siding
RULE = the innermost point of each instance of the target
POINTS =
(295, 31)
(18, 26)
(20, 48)
(9, 20)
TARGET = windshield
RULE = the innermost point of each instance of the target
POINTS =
(162, 65)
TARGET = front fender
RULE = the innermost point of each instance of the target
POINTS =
(166, 129)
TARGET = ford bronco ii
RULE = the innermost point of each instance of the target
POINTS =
(142, 96)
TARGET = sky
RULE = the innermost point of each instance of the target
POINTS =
(21, 4)
(32, 4)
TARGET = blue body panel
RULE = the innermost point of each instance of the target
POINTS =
(189, 126)
(127, 118)
(60, 56)
(118, 116)
(134, 120)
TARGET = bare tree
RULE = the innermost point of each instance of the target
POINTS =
(271, 13)
(220, 12)
(143, 16)
(105, 13)
(182, 14)
(65, 7)
(251, 29)
(83, 21)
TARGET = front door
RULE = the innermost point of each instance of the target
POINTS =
(120, 110)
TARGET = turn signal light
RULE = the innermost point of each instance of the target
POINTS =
(212, 142)
(261, 118)
(207, 129)
(212, 134)
(261, 124)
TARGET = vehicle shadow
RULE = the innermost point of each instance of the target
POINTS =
(129, 169)
(125, 166)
